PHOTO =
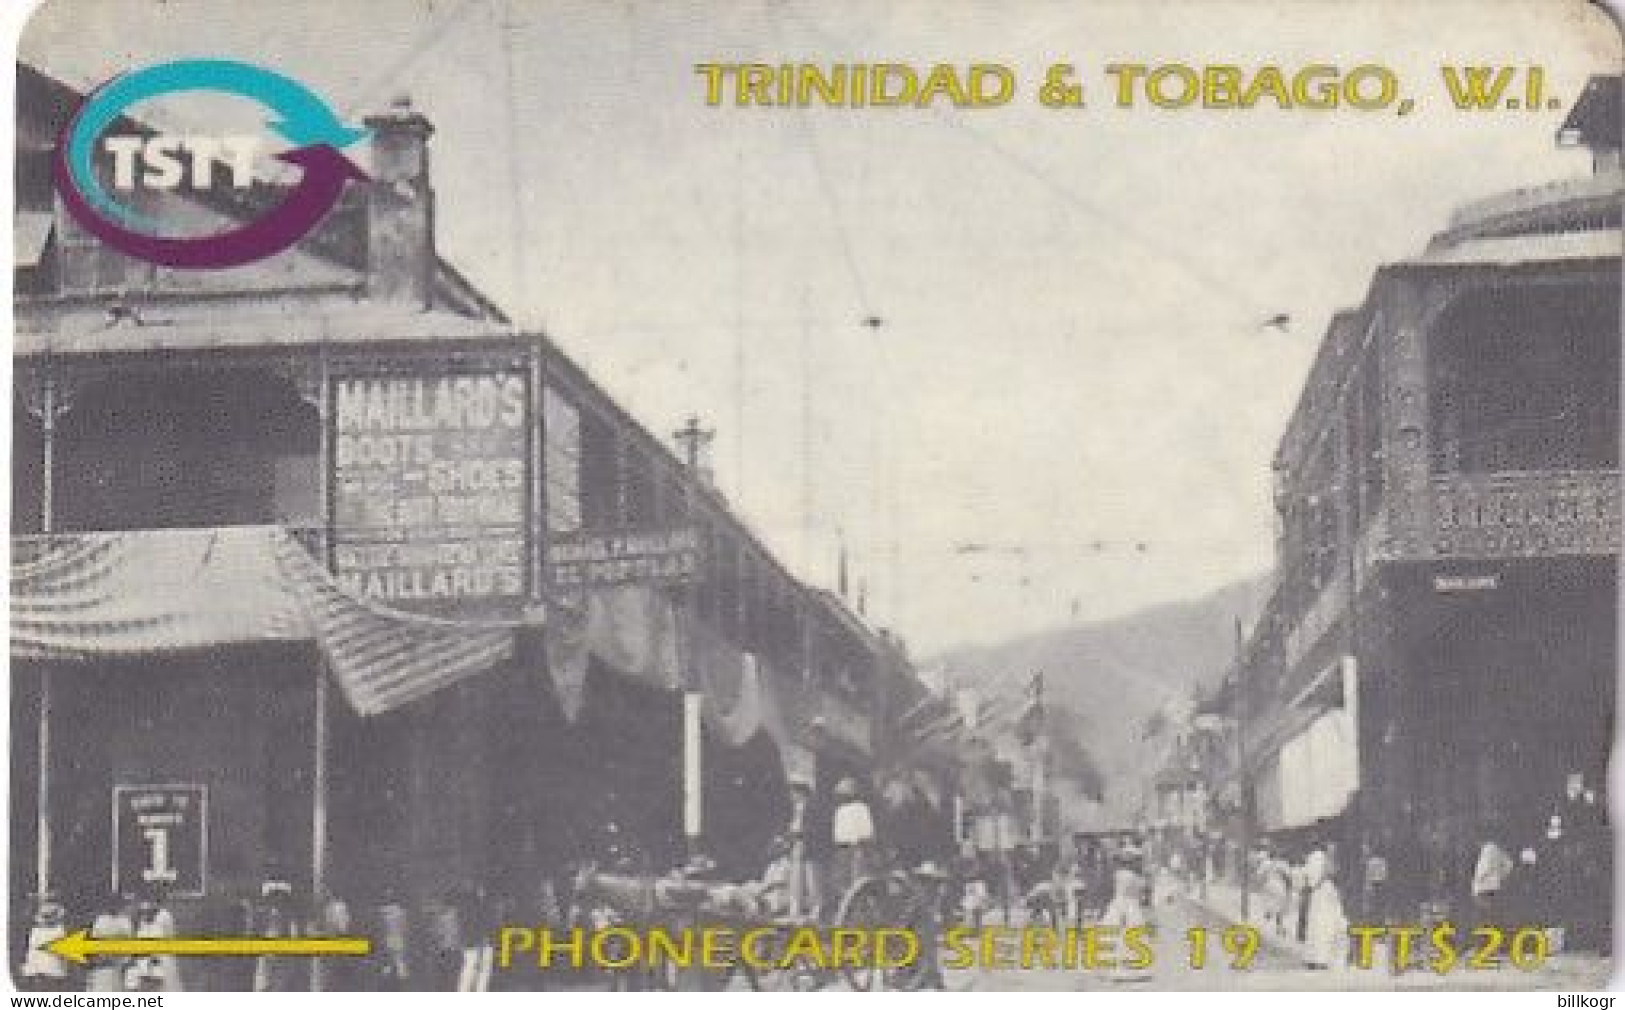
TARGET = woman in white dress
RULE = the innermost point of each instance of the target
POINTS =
(1126, 909)
(1328, 938)
(42, 970)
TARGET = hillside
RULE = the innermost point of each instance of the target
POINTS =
(1115, 673)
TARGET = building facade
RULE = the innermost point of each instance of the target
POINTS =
(1438, 656)
(325, 575)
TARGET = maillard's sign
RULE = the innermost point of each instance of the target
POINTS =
(431, 487)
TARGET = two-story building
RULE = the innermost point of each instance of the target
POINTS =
(324, 573)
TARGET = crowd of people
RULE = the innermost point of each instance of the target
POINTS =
(1553, 872)
(1302, 901)
(438, 946)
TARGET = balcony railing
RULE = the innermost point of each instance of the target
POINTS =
(1553, 205)
(1525, 514)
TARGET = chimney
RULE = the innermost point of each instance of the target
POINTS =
(400, 209)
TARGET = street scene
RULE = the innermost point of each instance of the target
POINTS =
(504, 501)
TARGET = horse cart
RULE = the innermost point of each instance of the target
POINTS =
(683, 901)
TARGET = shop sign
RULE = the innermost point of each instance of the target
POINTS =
(431, 487)
(160, 839)
(1466, 583)
(608, 559)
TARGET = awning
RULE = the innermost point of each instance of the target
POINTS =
(1313, 776)
(636, 631)
(741, 693)
(30, 233)
(84, 596)
(81, 596)
(631, 629)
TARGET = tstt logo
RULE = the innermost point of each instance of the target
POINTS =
(167, 161)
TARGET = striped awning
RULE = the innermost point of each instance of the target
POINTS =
(83, 596)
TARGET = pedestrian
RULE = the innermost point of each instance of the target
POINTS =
(772, 893)
(338, 974)
(274, 919)
(1127, 905)
(1326, 926)
(1561, 876)
(974, 895)
(154, 972)
(1277, 894)
(805, 883)
(391, 966)
(227, 915)
(1374, 883)
(1072, 873)
(1489, 881)
(445, 953)
(478, 953)
(905, 817)
(41, 970)
(1127, 910)
(933, 882)
(106, 974)
(1297, 909)
(1523, 902)
(1586, 844)
(853, 831)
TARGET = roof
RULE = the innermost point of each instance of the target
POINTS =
(1511, 250)
(362, 324)
(1590, 202)
(1594, 120)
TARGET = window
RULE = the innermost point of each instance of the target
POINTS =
(599, 474)
(1525, 378)
(187, 448)
(561, 462)
(637, 482)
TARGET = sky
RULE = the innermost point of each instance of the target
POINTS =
(1068, 406)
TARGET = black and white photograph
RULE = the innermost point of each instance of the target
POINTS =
(776, 495)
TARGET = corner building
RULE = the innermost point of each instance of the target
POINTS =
(1439, 652)
(283, 607)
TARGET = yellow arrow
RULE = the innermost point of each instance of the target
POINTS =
(80, 946)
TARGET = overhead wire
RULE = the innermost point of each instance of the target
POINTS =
(431, 35)
(1225, 288)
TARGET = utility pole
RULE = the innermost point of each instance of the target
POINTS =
(42, 795)
(1245, 797)
(1040, 747)
(692, 439)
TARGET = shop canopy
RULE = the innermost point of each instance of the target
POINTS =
(80, 597)
(636, 631)
(86, 596)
